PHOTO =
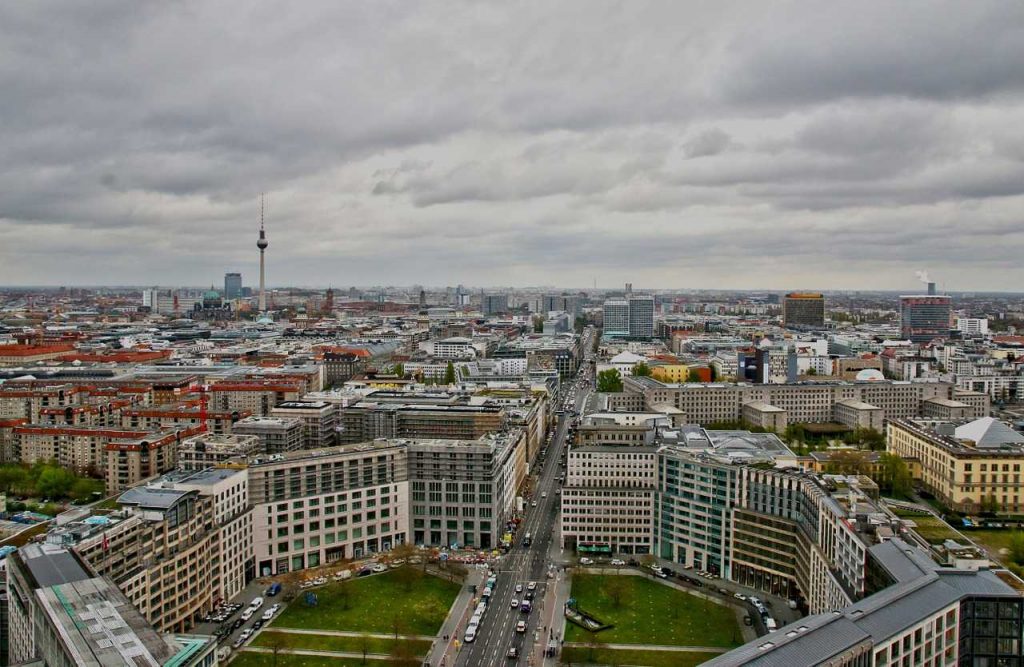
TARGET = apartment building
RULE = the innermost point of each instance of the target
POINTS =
(463, 491)
(313, 507)
(277, 434)
(62, 613)
(254, 397)
(319, 421)
(171, 416)
(969, 466)
(206, 450)
(20, 401)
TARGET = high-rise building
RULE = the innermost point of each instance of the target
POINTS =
(924, 317)
(494, 304)
(232, 285)
(616, 317)
(803, 309)
(641, 316)
(564, 302)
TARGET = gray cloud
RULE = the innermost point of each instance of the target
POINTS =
(669, 144)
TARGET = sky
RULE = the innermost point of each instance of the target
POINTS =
(669, 144)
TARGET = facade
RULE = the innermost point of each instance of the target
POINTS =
(968, 466)
(804, 402)
(860, 415)
(63, 615)
(277, 434)
(319, 421)
(561, 302)
(368, 420)
(315, 507)
(494, 304)
(924, 318)
(616, 317)
(803, 310)
(921, 615)
(972, 326)
(608, 498)
(463, 491)
(205, 451)
(641, 316)
(232, 286)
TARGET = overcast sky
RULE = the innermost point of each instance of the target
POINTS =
(673, 144)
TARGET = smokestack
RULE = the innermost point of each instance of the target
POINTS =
(931, 289)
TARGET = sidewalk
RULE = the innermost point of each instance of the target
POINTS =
(463, 606)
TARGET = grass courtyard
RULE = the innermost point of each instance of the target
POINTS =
(377, 604)
(288, 641)
(247, 659)
(651, 613)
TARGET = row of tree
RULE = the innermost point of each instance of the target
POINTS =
(47, 480)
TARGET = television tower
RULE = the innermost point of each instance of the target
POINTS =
(262, 245)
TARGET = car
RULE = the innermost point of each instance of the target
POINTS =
(519, 588)
(246, 633)
(273, 589)
(740, 596)
(247, 614)
(747, 620)
(306, 584)
(656, 568)
(320, 581)
(525, 606)
(586, 561)
(618, 562)
(237, 624)
(238, 642)
(258, 624)
(515, 603)
(268, 614)
(532, 586)
(365, 572)
(533, 504)
(544, 494)
(661, 575)
(470, 634)
(723, 591)
(513, 653)
(529, 595)
(521, 626)
(379, 567)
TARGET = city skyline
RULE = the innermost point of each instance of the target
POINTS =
(728, 147)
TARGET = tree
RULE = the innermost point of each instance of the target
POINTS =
(848, 462)
(274, 641)
(397, 623)
(406, 574)
(642, 370)
(1017, 547)
(895, 475)
(449, 373)
(615, 589)
(54, 482)
(403, 653)
(400, 370)
(594, 644)
(538, 324)
(609, 381)
(693, 375)
(647, 560)
(363, 643)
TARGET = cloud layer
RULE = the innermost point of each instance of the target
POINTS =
(730, 145)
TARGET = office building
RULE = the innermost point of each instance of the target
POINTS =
(208, 450)
(803, 310)
(314, 507)
(616, 318)
(319, 421)
(561, 302)
(62, 614)
(970, 466)
(370, 419)
(494, 304)
(641, 316)
(277, 434)
(924, 318)
(972, 326)
(462, 491)
(232, 286)
(921, 614)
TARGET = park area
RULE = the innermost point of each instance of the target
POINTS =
(643, 611)
(393, 615)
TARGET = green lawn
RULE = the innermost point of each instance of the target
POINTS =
(994, 539)
(375, 604)
(246, 659)
(334, 643)
(651, 613)
(580, 655)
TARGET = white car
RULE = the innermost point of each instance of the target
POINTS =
(532, 586)
(247, 614)
(380, 568)
(521, 626)
(586, 561)
(519, 588)
(740, 596)
(515, 603)
(618, 562)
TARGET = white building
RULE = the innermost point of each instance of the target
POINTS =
(972, 326)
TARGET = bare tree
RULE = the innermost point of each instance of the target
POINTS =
(615, 589)
(275, 641)
(364, 645)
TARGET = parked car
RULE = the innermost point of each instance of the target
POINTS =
(740, 596)
(586, 561)
(618, 562)
(379, 568)
(273, 590)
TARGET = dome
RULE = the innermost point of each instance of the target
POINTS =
(211, 295)
(870, 375)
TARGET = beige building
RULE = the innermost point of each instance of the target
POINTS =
(204, 451)
(968, 466)
(766, 416)
(858, 414)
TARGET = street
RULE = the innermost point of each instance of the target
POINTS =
(524, 564)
